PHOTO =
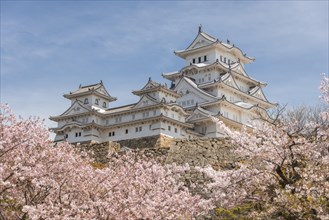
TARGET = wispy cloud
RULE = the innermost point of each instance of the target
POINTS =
(48, 48)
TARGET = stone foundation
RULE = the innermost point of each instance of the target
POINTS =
(201, 152)
(99, 151)
(157, 141)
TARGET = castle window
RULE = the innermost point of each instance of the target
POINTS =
(193, 60)
(136, 129)
(199, 59)
(110, 134)
(96, 101)
(224, 59)
(205, 58)
(133, 117)
(140, 128)
(126, 131)
(154, 112)
(118, 119)
(221, 58)
(175, 130)
(145, 114)
(66, 136)
(150, 127)
(86, 101)
(229, 61)
(104, 104)
(169, 128)
(113, 133)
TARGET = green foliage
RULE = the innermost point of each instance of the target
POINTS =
(237, 212)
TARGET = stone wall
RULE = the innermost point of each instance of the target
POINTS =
(201, 152)
(99, 151)
(196, 152)
(157, 141)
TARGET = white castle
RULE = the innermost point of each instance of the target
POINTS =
(212, 84)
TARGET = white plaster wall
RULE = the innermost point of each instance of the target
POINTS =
(226, 54)
(160, 95)
(86, 135)
(210, 57)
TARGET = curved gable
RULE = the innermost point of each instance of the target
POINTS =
(189, 91)
(76, 108)
(146, 100)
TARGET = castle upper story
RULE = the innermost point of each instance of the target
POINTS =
(213, 83)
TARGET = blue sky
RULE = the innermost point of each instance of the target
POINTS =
(50, 47)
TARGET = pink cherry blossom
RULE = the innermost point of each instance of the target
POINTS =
(282, 168)
(41, 181)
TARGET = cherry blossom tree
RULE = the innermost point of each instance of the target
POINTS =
(283, 169)
(41, 181)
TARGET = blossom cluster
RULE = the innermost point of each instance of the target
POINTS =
(42, 181)
(283, 169)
